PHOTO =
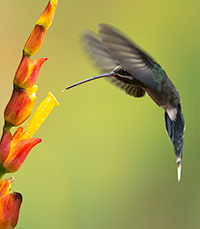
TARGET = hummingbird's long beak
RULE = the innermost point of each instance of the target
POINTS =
(108, 74)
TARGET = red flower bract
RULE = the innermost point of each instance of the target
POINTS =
(20, 106)
(27, 72)
(5, 145)
(12, 157)
(19, 154)
(35, 40)
(9, 205)
(9, 210)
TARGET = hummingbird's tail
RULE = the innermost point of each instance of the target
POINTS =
(109, 74)
(175, 129)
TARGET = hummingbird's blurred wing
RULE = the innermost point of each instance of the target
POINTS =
(134, 60)
(99, 54)
(107, 63)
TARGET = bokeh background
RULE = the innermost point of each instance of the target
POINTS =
(105, 161)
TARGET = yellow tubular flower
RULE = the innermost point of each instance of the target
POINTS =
(40, 115)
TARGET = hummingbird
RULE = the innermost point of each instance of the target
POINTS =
(133, 70)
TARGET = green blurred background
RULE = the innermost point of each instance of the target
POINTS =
(105, 161)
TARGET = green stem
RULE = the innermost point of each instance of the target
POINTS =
(7, 126)
(28, 55)
(1, 176)
(3, 171)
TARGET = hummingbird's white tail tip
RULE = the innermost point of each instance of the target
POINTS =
(178, 161)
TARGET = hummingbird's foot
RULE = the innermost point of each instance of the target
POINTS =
(178, 161)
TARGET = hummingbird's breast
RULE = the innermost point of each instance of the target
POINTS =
(168, 98)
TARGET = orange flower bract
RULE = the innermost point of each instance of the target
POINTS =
(27, 72)
(20, 105)
(37, 36)
(35, 40)
(9, 205)
(12, 157)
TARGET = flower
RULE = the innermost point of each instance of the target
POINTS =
(35, 40)
(27, 72)
(41, 114)
(9, 205)
(20, 105)
(48, 14)
(18, 151)
(37, 36)
(5, 145)
(14, 149)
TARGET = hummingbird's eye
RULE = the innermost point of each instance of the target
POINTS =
(123, 72)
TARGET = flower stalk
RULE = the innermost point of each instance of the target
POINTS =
(14, 148)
